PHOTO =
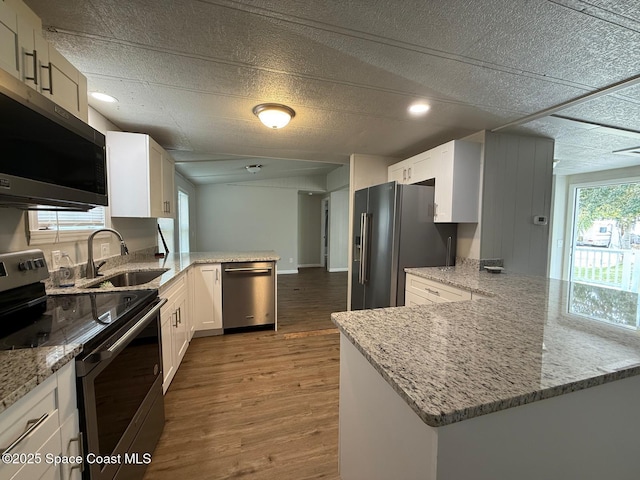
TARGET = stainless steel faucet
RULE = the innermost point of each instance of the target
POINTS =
(92, 270)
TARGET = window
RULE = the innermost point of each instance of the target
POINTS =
(183, 221)
(64, 226)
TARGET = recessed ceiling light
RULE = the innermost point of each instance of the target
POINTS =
(103, 97)
(419, 108)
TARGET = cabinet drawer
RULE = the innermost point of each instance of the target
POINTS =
(411, 299)
(37, 411)
(176, 288)
(435, 290)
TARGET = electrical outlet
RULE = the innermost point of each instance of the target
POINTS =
(55, 259)
(104, 250)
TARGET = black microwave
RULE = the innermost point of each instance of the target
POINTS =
(49, 157)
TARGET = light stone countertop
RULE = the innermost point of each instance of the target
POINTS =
(22, 370)
(532, 339)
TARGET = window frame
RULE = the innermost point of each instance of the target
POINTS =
(43, 237)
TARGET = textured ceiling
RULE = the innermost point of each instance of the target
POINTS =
(189, 72)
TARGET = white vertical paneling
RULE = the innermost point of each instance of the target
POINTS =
(517, 186)
(516, 253)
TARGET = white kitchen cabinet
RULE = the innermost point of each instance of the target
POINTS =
(457, 182)
(141, 177)
(26, 55)
(173, 328)
(49, 412)
(65, 85)
(455, 170)
(9, 43)
(207, 295)
(33, 55)
(419, 291)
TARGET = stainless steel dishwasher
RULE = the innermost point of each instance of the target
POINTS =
(248, 294)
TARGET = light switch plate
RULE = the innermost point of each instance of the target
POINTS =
(55, 259)
(104, 250)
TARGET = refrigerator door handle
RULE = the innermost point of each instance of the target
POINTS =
(364, 250)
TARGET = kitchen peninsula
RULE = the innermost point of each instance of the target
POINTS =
(522, 383)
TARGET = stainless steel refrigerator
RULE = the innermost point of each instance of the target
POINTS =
(393, 229)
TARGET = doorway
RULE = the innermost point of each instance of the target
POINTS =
(324, 241)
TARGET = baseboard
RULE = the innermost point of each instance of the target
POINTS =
(287, 272)
(310, 265)
(338, 270)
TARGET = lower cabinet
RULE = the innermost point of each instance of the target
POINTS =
(174, 318)
(207, 299)
(49, 413)
(420, 291)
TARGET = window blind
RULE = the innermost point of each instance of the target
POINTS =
(51, 220)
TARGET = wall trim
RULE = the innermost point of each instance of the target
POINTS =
(331, 270)
(310, 265)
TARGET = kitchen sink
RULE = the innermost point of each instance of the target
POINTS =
(129, 279)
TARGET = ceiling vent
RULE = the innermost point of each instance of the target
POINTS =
(632, 152)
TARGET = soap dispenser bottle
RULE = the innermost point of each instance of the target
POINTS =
(67, 271)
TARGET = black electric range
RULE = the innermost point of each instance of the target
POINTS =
(85, 319)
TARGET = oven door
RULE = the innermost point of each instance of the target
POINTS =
(120, 393)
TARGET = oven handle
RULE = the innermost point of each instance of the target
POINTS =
(131, 333)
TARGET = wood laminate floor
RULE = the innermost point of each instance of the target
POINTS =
(260, 405)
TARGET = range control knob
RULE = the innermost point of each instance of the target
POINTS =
(39, 262)
(26, 265)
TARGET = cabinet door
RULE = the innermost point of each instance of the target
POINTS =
(443, 196)
(9, 45)
(208, 297)
(156, 198)
(71, 447)
(397, 173)
(180, 339)
(167, 320)
(34, 53)
(424, 166)
(66, 85)
(168, 189)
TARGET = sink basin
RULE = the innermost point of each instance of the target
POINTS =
(130, 279)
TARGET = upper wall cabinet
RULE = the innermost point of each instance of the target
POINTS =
(26, 55)
(457, 174)
(9, 47)
(141, 177)
(455, 169)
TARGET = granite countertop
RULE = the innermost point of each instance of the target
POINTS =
(532, 338)
(22, 370)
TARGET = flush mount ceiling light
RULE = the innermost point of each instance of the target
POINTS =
(419, 108)
(103, 97)
(253, 168)
(274, 115)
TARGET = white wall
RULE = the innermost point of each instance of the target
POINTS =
(309, 230)
(249, 218)
(339, 231)
(338, 179)
(138, 233)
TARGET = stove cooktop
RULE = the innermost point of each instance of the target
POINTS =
(70, 319)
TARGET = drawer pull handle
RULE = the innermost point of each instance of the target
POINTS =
(432, 292)
(31, 426)
(78, 439)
